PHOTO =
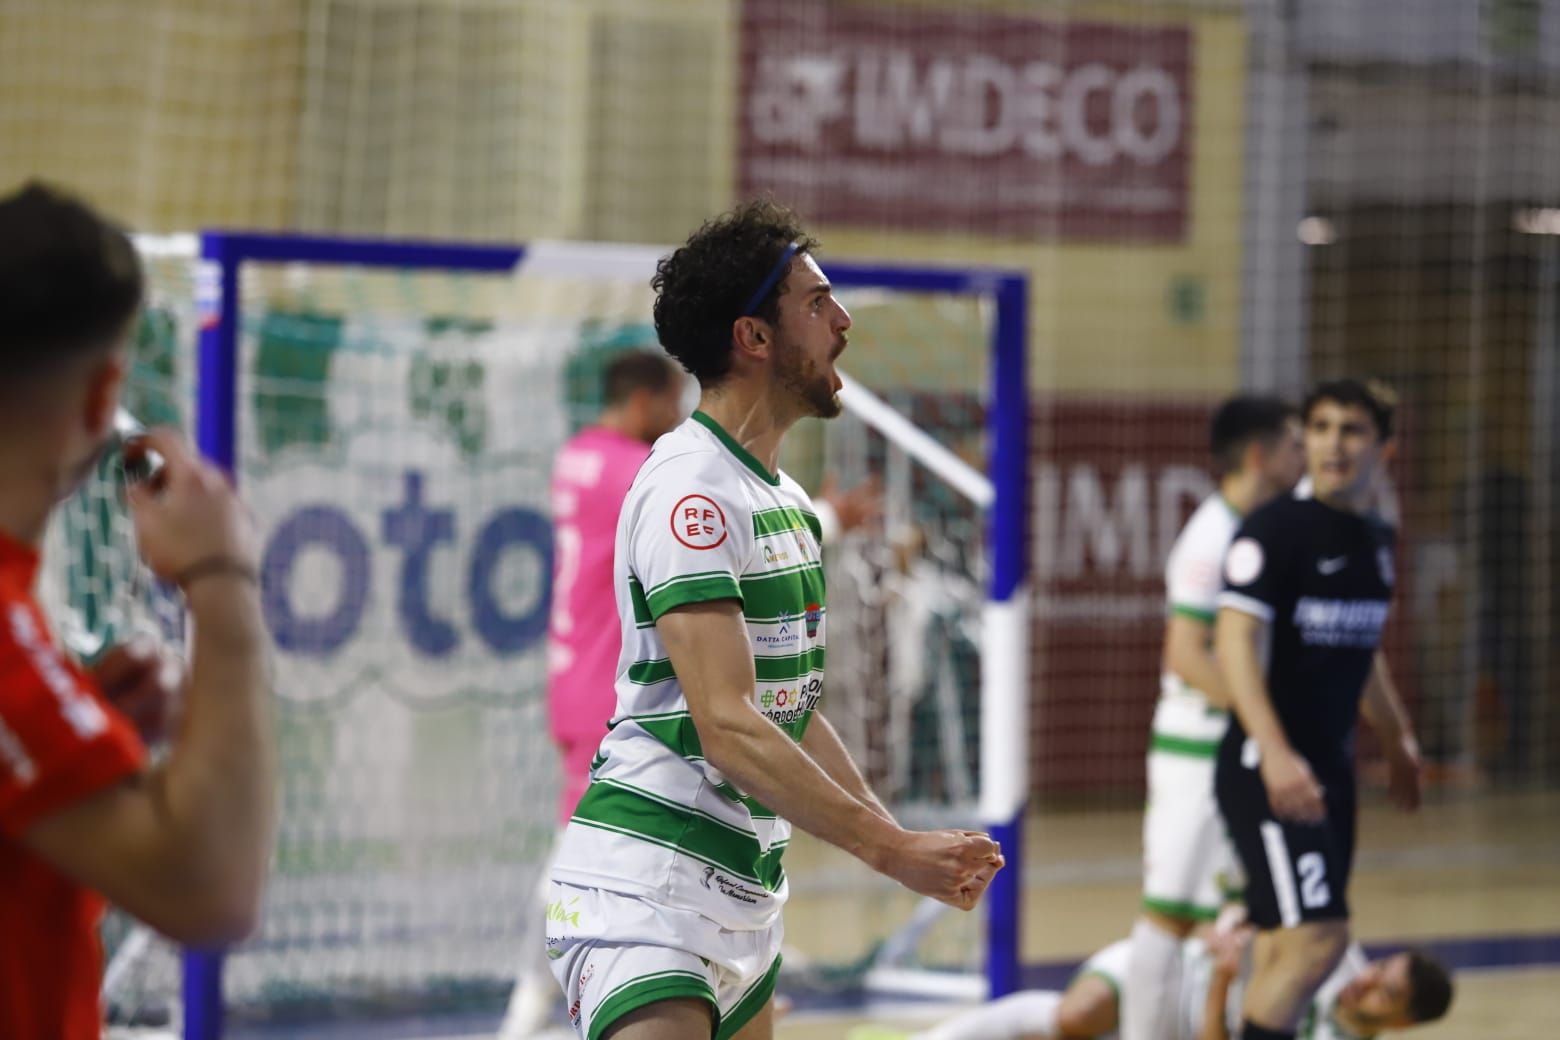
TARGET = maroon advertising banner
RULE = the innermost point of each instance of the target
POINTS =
(1112, 483)
(920, 119)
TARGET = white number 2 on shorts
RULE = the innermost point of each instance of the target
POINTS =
(1312, 869)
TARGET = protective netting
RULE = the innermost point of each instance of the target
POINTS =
(396, 430)
(1207, 195)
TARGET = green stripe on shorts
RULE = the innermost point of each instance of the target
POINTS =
(751, 1004)
(1183, 746)
(649, 989)
(1184, 911)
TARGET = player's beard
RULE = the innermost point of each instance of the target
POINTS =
(805, 381)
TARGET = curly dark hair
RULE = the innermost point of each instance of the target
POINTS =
(703, 287)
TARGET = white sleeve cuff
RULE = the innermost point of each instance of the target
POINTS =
(1246, 605)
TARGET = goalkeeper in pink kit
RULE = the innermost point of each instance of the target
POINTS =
(591, 476)
(590, 480)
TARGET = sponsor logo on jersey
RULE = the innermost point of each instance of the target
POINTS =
(1346, 623)
(783, 637)
(814, 615)
(1331, 564)
(559, 912)
(784, 705)
(698, 523)
(770, 556)
(731, 888)
(579, 993)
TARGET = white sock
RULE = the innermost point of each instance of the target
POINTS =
(1152, 988)
(1030, 1013)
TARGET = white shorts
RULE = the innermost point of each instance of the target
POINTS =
(1110, 964)
(1189, 866)
(613, 953)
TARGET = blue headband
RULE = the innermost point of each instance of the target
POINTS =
(773, 277)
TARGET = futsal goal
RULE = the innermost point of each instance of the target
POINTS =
(391, 412)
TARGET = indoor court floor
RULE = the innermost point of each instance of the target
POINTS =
(1476, 878)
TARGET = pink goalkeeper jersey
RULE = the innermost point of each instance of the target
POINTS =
(590, 480)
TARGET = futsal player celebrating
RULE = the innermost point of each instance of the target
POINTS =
(1308, 582)
(664, 919)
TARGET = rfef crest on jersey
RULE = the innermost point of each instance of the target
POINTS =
(698, 522)
(1243, 563)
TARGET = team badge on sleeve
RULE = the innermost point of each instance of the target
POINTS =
(698, 522)
(1243, 564)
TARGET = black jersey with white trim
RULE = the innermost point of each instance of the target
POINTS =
(1322, 578)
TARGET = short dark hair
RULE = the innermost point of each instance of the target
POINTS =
(70, 280)
(1430, 987)
(705, 286)
(1374, 396)
(1241, 421)
(633, 370)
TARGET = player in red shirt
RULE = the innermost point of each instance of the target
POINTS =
(83, 818)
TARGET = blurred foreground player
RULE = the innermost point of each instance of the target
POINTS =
(183, 845)
(664, 914)
(1256, 447)
(1308, 583)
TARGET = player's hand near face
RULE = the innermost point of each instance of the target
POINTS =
(189, 513)
(1292, 788)
(953, 867)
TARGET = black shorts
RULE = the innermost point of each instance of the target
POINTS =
(1295, 872)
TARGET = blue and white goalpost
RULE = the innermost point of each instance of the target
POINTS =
(391, 410)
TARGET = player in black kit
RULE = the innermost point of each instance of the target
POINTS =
(1308, 581)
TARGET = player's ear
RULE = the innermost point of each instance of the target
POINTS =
(104, 380)
(1388, 450)
(751, 336)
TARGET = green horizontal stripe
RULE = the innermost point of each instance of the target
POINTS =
(756, 809)
(646, 673)
(1183, 746)
(690, 576)
(675, 730)
(693, 590)
(646, 990)
(751, 1004)
(1195, 613)
(1183, 911)
(611, 807)
(783, 593)
(789, 667)
(785, 518)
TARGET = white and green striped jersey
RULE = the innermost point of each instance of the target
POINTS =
(704, 520)
(1184, 722)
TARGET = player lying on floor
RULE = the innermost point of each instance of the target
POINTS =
(1361, 998)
